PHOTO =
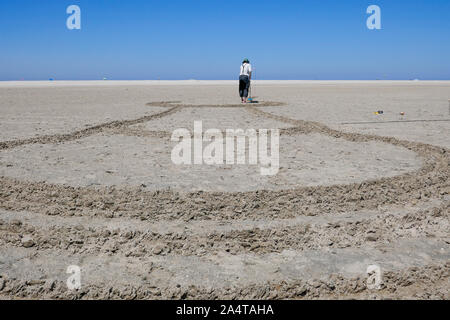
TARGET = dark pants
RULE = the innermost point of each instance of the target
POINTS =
(244, 85)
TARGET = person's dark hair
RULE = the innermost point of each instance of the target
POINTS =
(245, 61)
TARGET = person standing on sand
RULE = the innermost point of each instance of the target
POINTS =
(244, 80)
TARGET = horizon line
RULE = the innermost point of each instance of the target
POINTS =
(205, 80)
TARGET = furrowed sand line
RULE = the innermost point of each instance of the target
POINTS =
(184, 282)
(336, 233)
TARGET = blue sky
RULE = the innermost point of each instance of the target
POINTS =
(198, 39)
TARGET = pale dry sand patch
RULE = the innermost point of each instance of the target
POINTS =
(305, 160)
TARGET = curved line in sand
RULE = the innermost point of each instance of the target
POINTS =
(431, 178)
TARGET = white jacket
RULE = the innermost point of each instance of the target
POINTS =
(246, 69)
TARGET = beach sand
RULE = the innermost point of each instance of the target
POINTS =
(87, 179)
